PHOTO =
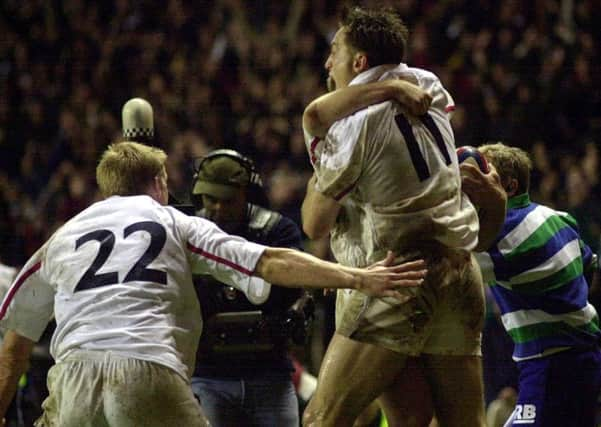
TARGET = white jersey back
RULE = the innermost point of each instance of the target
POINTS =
(118, 277)
(395, 174)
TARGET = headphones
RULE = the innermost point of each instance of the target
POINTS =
(254, 189)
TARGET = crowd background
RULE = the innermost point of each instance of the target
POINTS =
(238, 73)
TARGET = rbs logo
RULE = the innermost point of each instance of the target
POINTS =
(524, 414)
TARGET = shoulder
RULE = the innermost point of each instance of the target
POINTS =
(424, 77)
(350, 123)
(344, 134)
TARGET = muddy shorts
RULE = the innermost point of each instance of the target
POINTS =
(103, 389)
(444, 316)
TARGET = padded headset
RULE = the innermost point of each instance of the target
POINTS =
(255, 192)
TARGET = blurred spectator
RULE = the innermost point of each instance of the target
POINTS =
(233, 73)
(236, 74)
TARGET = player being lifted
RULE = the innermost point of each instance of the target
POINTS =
(386, 178)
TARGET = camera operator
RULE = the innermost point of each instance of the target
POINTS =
(243, 371)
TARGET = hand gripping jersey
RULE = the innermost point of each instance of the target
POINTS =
(118, 277)
(395, 174)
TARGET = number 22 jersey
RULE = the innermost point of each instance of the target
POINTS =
(118, 277)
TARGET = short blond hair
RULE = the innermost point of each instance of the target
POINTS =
(127, 168)
(510, 162)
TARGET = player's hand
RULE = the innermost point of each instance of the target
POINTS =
(384, 278)
(483, 189)
(414, 98)
(389, 260)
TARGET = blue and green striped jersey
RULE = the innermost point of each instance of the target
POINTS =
(535, 270)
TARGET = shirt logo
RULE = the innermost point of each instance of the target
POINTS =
(524, 414)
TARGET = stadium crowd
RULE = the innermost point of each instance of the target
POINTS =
(238, 73)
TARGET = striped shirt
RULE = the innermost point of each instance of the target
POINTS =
(535, 269)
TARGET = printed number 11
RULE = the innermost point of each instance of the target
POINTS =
(419, 163)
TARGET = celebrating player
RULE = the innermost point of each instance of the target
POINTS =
(118, 280)
(386, 178)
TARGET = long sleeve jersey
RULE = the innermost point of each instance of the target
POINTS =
(535, 270)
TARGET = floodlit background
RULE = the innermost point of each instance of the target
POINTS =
(237, 74)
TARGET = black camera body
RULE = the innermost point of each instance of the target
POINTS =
(233, 325)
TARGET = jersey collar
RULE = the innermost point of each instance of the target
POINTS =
(372, 74)
(520, 201)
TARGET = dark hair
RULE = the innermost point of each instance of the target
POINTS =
(380, 33)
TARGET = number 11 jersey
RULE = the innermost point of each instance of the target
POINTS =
(395, 174)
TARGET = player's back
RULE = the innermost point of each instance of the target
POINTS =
(123, 283)
(409, 187)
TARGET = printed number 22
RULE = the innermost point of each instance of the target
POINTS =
(417, 158)
(139, 271)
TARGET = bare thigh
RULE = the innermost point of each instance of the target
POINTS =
(407, 401)
(352, 375)
(450, 386)
(457, 389)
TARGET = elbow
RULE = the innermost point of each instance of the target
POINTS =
(312, 122)
(264, 268)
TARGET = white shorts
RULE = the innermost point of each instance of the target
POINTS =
(444, 316)
(103, 389)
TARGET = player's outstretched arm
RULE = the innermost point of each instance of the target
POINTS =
(291, 268)
(322, 112)
(14, 361)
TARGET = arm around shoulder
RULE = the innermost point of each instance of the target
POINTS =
(322, 112)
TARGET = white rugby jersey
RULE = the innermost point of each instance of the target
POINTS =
(395, 174)
(118, 277)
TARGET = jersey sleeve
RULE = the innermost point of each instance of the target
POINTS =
(585, 251)
(441, 99)
(314, 145)
(338, 159)
(229, 259)
(28, 305)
